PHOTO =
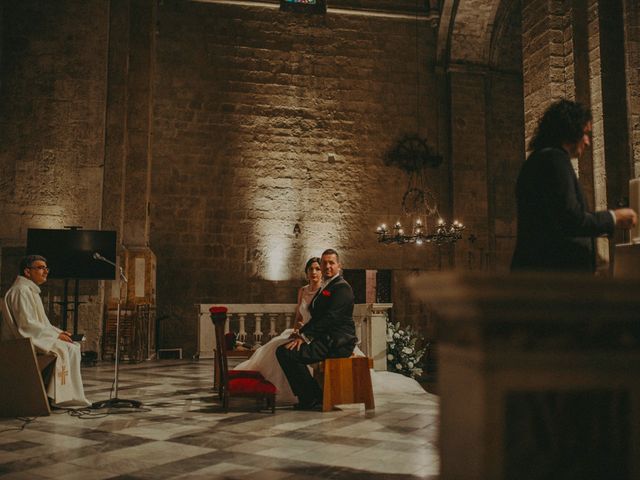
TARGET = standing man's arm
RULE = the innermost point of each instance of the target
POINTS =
(562, 197)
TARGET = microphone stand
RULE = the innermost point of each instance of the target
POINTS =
(116, 402)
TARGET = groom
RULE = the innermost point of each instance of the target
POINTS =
(330, 333)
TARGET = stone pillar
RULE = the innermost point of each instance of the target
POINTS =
(128, 140)
(546, 58)
(562, 47)
(469, 155)
(132, 26)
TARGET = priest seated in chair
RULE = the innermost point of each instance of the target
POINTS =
(25, 306)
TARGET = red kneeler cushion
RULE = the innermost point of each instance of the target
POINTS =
(218, 310)
(250, 385)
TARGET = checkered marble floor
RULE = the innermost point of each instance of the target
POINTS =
(184, 435)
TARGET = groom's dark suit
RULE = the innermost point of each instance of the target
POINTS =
(555, 229)
(331, 333)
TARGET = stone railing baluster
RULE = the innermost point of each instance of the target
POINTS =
(242, 333)
(273, 317)
(257, 334)
(370, 320)
(377, 334)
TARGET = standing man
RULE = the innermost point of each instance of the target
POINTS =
(25, 306)
(556, 232)
(330, 333)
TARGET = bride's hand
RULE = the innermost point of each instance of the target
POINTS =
(294, 344)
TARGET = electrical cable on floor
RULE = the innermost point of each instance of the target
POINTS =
(26, 421)
(86, 413)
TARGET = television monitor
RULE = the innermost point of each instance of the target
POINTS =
(304, 6)
(69, 253)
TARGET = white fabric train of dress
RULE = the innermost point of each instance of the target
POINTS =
(264, 360)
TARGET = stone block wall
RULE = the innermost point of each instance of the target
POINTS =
(505, 155)
(632, 51)
(215, 128)
(264, 120)
(52, 96)
(52, 116)
(547, 64)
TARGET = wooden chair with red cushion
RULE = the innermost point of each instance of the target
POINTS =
(238, 383)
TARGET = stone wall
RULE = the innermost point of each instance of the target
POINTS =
(632, 51)
(52, 116)
(547, 65)
(210, 130)
(52, 97)
(264, 120)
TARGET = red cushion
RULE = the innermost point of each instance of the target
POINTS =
(215, 309)
(245, 374)
(251, 386)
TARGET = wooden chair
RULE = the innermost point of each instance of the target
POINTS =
(23, 373)
(238, 383)
(345, 380)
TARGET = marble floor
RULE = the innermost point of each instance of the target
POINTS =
(182, 434)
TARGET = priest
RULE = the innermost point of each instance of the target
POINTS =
(25, 306)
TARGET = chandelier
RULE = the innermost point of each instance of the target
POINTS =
(419, 207)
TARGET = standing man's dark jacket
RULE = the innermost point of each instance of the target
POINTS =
(332, 317)
(555, 230)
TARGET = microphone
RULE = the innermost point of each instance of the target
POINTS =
(97, 256)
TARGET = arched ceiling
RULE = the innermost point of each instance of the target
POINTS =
(469, 30)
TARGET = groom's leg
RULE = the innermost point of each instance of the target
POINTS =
(294, 365)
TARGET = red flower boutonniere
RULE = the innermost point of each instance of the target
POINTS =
(326, 293)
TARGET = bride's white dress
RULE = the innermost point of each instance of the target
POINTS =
(264, 360)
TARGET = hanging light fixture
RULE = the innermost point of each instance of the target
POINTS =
(413, 155)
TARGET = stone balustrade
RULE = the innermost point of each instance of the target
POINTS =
(257, 323)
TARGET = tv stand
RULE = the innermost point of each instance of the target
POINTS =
(64, 304)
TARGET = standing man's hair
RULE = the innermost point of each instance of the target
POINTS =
(562, 122)
(330, 251)
(27, 261)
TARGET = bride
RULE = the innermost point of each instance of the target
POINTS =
(264, 358)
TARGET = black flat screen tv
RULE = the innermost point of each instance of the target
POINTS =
(69, 253)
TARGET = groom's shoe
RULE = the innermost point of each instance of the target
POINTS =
(313, 406)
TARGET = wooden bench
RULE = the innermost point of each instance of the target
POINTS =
(344, 381)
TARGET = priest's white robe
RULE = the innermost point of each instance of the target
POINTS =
(25, 305)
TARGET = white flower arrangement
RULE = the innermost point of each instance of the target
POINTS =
(402, 355)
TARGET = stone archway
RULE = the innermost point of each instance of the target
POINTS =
(479, 48)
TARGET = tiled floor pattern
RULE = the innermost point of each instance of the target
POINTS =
(184, 435)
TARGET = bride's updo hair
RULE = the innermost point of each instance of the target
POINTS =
(311, 261)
